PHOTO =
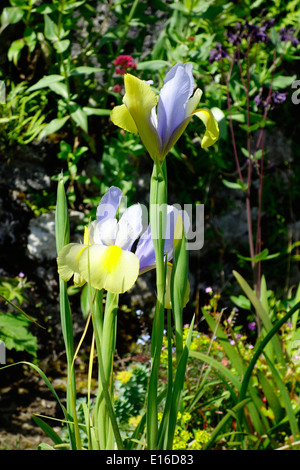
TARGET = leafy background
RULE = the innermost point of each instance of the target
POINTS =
(57, 65)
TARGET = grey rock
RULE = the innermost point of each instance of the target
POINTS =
(41, 239)
(41, 243)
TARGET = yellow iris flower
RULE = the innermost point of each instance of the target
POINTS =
(160, 120)
(105, 258)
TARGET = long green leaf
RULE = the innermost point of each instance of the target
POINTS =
(286, 399)
(259, 349)
(45, 427)
(178, 387)
(223, 423)
(218, 366)
(105, 390)
(263, 315)
(179, 282)
(269, 392)
(163, 429)
(48, 430)
(259, 421)
(16, 307)
(62, 232)
(296, 314)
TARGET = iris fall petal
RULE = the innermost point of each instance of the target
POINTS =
(68, 260)
(109, 268)
(212, 129)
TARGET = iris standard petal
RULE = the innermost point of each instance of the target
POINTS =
(184, 115)
(68, 260)
(212, 129)
(109, 204)
(140, 99)
(171, 109)
(107, 232)
(109, 268)
(130, 227)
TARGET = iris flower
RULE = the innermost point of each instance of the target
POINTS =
(105, 258)
(160, 120)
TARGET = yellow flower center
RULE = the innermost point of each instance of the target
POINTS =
(111, 258)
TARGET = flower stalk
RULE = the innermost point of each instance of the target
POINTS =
(158, 201)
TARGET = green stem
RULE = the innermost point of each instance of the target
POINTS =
(164, 425)
(105, 338)
(158, 211)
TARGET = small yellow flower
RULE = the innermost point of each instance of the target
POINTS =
(202, 436)
(124, 376)
(134, 421)
(186, 417)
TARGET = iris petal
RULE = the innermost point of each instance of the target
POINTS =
(140, 99)
(121, 117)
(193, 102)
(109, 204)
(212, 129)
(174, 95)
(109, 268)
(145, 248)
(68, 260)
(107, 232)
(78, 280)
(172, 220)
(145, 251)
(130, 226)
(175, 136)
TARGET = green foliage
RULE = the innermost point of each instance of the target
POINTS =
(15, 288)
(255, 369)
(130, 392)
(15, 334)
(14, 326)
(22, 116)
